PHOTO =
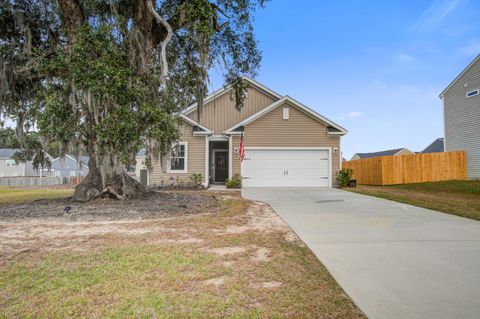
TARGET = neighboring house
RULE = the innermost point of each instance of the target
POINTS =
(395, 152)
(8, 166)
(141, 172)
(69, 166)
(286, 143)
(436, 147)
(461, 107)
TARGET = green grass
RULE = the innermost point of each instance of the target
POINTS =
(127, 278)
(12, 195)
(460, 198)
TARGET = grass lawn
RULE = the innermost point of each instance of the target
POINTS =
(240, 261)
(11, 195)
(460, 198)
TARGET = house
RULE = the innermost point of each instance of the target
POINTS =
(69, 166)
(141, 173)
(394, 152)
(286, 143)
(461, 109)
(10, 168)
(435, 147)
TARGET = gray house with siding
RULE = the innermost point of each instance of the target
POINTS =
(461, 107)
(69, 166)
(10, 168)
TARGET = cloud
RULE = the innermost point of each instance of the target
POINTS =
(434, 15)
(473, 48)
(349, 116)
(404, 58)
(354, 114)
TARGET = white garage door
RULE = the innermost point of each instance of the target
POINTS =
(286, 168)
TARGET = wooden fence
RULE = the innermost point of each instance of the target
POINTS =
(411, 168)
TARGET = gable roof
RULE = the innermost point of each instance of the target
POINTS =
(437, 146)
(460, 75)
(200, 128)
(333, 128)
(6, 153)
(381, 153)
(227, 88)
(81, 158)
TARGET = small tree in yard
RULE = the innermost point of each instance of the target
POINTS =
(106, 78)
(344, 177)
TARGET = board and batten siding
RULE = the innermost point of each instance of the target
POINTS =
(221, 114)
(462, 119)
(300, 130)
(195, 160)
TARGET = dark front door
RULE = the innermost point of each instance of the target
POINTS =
(144, 176)
(221, 166)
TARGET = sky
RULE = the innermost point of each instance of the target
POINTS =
(375, 67)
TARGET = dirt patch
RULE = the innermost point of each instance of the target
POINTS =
(223, 251)
(152, 205)
(266, 285)
(259, 217)
(217, 282)
(262, 255)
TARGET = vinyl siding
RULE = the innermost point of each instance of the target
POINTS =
(300, 130)
(17, 170)
(462, 118)
(221, 114)
(195, 160)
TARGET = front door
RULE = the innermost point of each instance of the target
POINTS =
(220, 166)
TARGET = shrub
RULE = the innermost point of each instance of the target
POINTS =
(196, 178)
(344, 177)
(234, 182)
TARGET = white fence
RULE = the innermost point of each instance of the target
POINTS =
(32, 181)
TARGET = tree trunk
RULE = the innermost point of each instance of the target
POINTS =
(117, 185)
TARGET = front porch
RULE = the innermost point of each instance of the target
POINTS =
(218, 160)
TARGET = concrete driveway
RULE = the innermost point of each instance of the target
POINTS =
(394, 260)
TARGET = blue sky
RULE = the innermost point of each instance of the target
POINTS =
(375, 67)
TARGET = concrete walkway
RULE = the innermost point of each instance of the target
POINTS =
(393, 260)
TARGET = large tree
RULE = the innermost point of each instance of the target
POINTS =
(106, 77)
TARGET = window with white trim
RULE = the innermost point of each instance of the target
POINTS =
(473, 93)
(57, 173)
(178, 157)
(73, 173)
(11, 163)
(286, 113)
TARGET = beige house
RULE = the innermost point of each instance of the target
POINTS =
(286, 143)
(394, 152)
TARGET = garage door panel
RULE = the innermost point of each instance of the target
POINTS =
(286, 168)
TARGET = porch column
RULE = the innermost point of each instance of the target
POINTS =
(207, 160)
(230, 153)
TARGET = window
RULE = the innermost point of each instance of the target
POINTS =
(73, 173)
(11, 163)
(57, 173)
(178, 158)
(286, 113)
(473, 93)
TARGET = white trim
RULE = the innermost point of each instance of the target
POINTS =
(207, 159)
(477, 90)
(286, 113)
(213, 152)
(218, 138)
(227, 88)
(329, 149)
(230, 155)
(274, 105)
(444, 127)
(195, 123)
(340, 151)
(330, 167)
(287, 148)
(185, 170)
(460, 75)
